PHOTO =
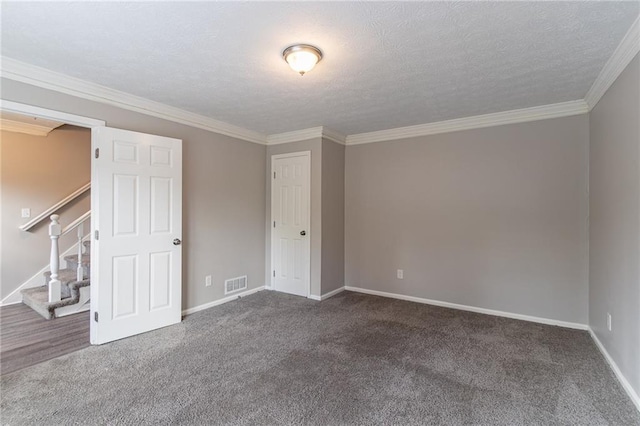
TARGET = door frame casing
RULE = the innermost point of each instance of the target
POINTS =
(50, 114)
(275, 157)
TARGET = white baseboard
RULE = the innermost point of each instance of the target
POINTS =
(548, 321)
(332, 293)
(222, 301)
(37, 279)
(623, 380)
(326, 295)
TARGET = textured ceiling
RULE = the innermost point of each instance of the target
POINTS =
(385, 65)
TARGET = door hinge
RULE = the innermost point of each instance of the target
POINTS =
(274, 175)
(274, 223)
(274, 273)
(96, 234)
(97, 152)
(95, 316)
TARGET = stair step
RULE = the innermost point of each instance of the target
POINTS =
(73, 258)
(65, 276)
(72, 263)
(37, 298)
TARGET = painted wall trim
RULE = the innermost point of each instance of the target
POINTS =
(306, 134)
(47, 114)
(28, 128)
(623, 380)
(332, 293)
(222, 301)
(334, 136)
(529, 318)
(327, 295)
(47, 79)
(295, 136)
(624, 53)
(563, 109)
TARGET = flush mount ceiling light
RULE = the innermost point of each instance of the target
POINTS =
(302, 57)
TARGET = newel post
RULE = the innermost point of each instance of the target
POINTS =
(54, 284)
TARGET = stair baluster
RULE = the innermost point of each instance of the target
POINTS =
(54, 284)
(80, 234)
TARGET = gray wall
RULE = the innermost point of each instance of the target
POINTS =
(223, 192)
(37, 172)
(614, 231)
(315, 146)
(492, 218)
(333, 156)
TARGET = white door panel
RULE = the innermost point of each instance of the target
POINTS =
(137, 211)
(290, 204)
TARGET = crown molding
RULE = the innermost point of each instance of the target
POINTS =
(624, 53)
(11, 121)
(563, 109)
(295, 136)
(334, 136)
(305, 134)
(27, 128)
(41, 77)
(47, 79)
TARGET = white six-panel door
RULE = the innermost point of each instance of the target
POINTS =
(137, 213)
(290, 215)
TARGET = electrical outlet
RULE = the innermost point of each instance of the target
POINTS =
(26, 212)
(207, 281)
(400, 274)
(608, 321)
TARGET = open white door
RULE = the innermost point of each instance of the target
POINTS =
(136, 275)
(290, 213)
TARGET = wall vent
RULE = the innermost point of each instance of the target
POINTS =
(235, 284)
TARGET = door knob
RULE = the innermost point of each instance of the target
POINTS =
(303, 233)
(177, 242)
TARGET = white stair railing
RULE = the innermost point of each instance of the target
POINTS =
(79, 269)
(78, 225)
(55, 232)
(66, 200)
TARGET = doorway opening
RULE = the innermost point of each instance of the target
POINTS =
(46, 173)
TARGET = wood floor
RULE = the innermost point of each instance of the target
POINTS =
(27, 339)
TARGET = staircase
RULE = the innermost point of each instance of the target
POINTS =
(66, 291)
(74, 294)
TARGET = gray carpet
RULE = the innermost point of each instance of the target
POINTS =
(352, 359)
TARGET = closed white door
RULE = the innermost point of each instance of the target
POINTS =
(136, 271)
(290, 214)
